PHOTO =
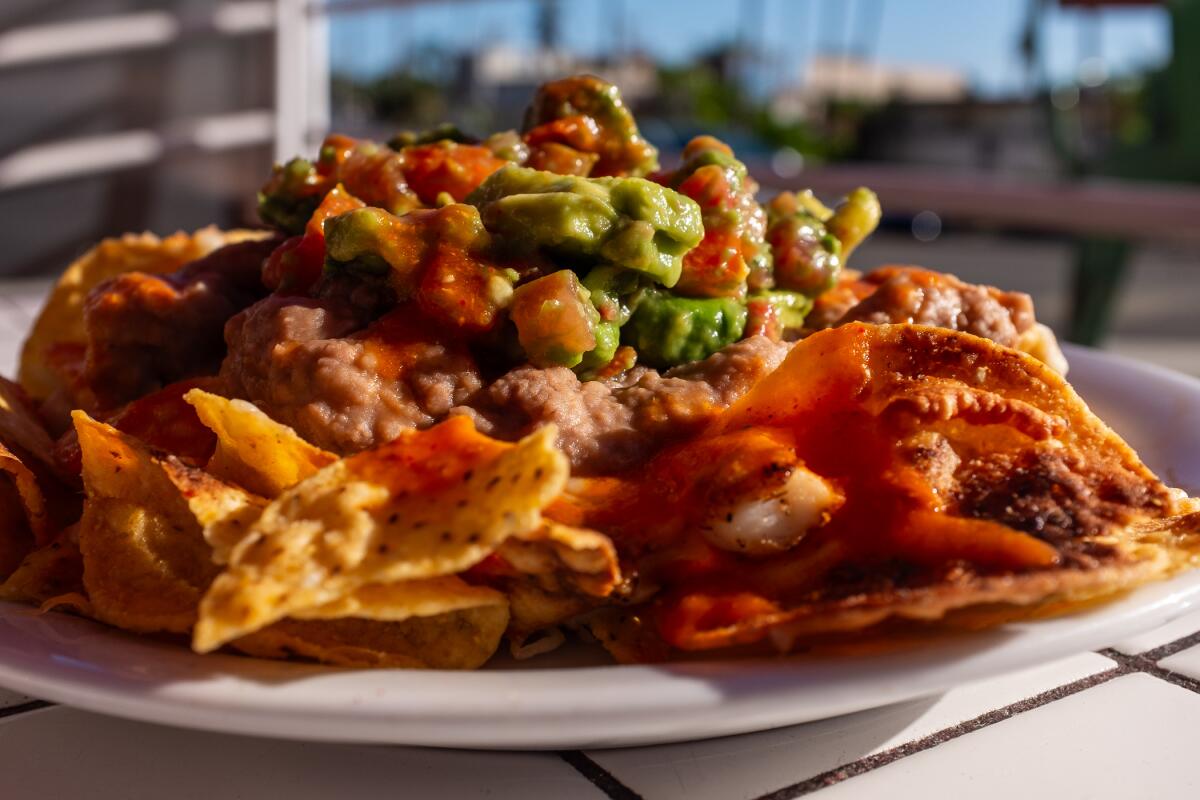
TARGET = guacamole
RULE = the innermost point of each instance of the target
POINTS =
(562, 244)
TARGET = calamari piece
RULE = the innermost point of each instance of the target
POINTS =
(463, 639)
(55, 346)
(253, 450)
(429, 504)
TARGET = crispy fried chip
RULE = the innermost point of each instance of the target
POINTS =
(26, 461)
(16, 540)
(394, 602)
(428, 504)
(561, 571)
(145, 561)
(581, 559)
(20, 428)
(59, 330)
(463, 639)
(225, 512)
(48, 574)
(22, 510)
(253, 450)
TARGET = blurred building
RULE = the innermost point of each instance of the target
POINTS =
(847, 78)
(503, 77)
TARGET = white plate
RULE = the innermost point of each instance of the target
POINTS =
(561, 704)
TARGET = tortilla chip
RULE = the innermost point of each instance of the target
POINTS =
(253, 450)
(394, 602)
(225, 512)
(565, 557)
(429, 504)
(142, 571)
(31, 503)
(27, 460)
(457, 640)
(50, 572)
(20, 428)
(552, 575)
(145, 561)
(16, 540)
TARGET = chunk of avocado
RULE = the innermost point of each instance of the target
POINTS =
(290, 196)
(792, 307)
(667, 330)
(630, 223)
(611, 289)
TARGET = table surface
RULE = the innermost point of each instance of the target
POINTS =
(1118, 723)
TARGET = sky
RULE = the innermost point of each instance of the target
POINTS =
(976, 37)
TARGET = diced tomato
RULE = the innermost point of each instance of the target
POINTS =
(561, 159)
(710, 187)
(715, 267)
(555, 319)
(461, 290)
(762, 319)
(456, 169)
(294, 266)
(578, 131)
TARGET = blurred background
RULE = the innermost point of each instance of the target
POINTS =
(1051, 146)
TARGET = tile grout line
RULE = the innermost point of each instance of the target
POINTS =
(23, 708)
(598, 776)
(1170, 648)
(877, 760)
(1141, 663)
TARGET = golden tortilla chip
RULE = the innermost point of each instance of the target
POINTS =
(394, 602)
(51, 572)
(22, 510)
(16, 540)
(59, 326)
(463, 639)
(560, 572)
(565, 557)
(27, 461)
(145, 561)
(429, 504)
(20, 428)
(225, 512)
(253, 450)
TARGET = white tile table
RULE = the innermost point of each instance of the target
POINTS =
(1122, 723)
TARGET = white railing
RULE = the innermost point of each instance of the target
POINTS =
(297, 119)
